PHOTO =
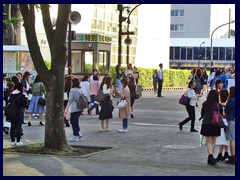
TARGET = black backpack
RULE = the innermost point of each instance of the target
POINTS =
(10, 110)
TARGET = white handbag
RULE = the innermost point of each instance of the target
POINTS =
(65, 96)
(122, 103)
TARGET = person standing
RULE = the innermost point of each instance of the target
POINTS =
(5, 89)
(129, 71)
(191, 106)
(94, 87)
(72, 108)
(38, 90)
(67, 88)
(160, 80)
(155, 81)
(16, 123)
(94, 72)
(230, 129)
(132, 88)
(118, 77)
(85, 87)
(124, 113)
(199, 81)
(208, 130)
(106, 107)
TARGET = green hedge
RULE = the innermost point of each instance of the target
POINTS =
(172, 77)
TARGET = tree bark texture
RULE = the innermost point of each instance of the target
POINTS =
(55, 137)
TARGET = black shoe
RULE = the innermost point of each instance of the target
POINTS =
(29, 124)
(41, 124)
(219, 157)
(89, 113)
(160, 96)
(67, 123)
(24, 123)
(193, 130)
(132, 116)
(212, 161)
(180, 126)
(231, 160)
(226, 156)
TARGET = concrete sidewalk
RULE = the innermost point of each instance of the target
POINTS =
(154, 146)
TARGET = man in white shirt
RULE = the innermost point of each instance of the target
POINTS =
(160, 80)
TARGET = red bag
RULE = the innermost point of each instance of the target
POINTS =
(217, 118)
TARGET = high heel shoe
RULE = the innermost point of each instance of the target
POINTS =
(41, 124)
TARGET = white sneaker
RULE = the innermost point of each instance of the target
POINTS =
(19, 143)
(102, 130)
(80, 134)
(74, 139)
(13, 143)
(108, 130)
(122, 130)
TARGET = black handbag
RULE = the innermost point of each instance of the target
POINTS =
(42, 101)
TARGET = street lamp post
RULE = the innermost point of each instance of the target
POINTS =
(199, 54)
(211, 64)
(129, 22)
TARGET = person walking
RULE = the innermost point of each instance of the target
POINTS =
(132, 88)
(124, 113)
(6, 89)
(16, 124)
(67, 88)
(230, 129)
(205, 84)
(94, 87)
(199, 81)
(190, 93)
(38, 90)
(155, 81)
(72, 108)
(106, 107)
(160, 80)
(85, 87)
(94, 72)
(208, 130)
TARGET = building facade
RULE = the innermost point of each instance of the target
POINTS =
(191, 29)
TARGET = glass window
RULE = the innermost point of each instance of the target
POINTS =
(177, 53)
(10, 61)
(182, 12)
(172, 12)
(172, 27)
(234, 53)
(189, 53)
(183, 53)
(181, 27)
(222, 53)
(215, 53)
(88, 62)
(202, 53)
(195, 53)
(26, 63)
(228, 53)
(76, 62)
(208, 53)
(103, 62)
(171, 52)
(176, 12)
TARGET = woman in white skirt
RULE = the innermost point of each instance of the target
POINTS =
(221, 140)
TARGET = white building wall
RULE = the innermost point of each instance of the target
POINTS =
(153, 35)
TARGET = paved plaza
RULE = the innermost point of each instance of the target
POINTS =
(153, 146)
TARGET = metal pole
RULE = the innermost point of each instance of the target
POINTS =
(199, 54)
(120, 34)
(128, 45)
(69, 48)
(211, 63)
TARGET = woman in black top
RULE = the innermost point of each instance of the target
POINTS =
(16, 123)
(210, 131)
(132, 88)
(67, 88)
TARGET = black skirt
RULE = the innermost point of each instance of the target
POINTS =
(210, 130)
(106, 110)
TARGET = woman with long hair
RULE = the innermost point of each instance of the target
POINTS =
(190, 93)
(38, 90)
(67, 88)
(218, 86)
(132, 88)
(230, 129)
(85, 86)
(94, 87)
(106, 107)
(118, 76)
(124, 113)
(208, 130)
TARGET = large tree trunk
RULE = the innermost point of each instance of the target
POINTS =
(53, 80)
(8, 38)
(17, 27)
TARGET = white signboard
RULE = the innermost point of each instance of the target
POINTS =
(231, 82)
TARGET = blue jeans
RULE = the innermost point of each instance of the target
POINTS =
(125, 123)
(75, 123)
(119, 85)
